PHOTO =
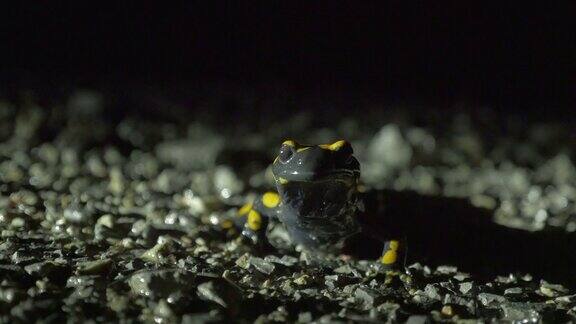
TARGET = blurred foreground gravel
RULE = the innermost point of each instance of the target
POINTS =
(107, 219)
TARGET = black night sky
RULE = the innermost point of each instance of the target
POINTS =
(507, 54)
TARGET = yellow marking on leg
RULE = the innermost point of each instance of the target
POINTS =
(245, 209)
(389, 257)
(254, 220)
(271, 199)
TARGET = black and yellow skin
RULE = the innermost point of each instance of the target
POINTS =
(254, 216)
(325, 210)
(317, 201)
(317, 185)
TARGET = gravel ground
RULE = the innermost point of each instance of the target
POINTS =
(111, 219)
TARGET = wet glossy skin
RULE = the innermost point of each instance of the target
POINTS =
(320, 206)
(319, 203)
(317, 186)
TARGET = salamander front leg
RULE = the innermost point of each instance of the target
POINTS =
(256, 217)
(393, 255)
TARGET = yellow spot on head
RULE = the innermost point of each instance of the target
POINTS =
(244, 209)
(289, 143)
(334, 146)
(270, 199)
(282, 180)
(389, 257)
(302, 149)
(393, 245)
(254, 220)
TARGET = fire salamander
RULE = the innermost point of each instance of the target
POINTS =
(325, 210)
(317, 200)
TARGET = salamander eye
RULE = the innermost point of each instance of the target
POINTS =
(286, 153)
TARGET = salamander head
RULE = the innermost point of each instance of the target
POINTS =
(317, 185)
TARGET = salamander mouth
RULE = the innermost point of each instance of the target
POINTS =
(338, 173)
(329, 175)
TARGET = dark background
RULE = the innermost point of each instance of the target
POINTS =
(513, 55)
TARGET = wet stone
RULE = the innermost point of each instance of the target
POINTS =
(219, 292)
(418, 319)
(80, 281)
(432, 292)
(366, 297)
(551, 290)
(159, 252)
(163, 312)
(488, 299)
(76, 215)
(517, 312)
(262, 265)
(46, 269)
(243, 261)
(106, 220)
(159, 283)
(94, 267)
(302, 280)
(466, 287)
(515, 291)
(285, 260)
(332, 281)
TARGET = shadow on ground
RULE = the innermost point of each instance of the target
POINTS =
(440, 231)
